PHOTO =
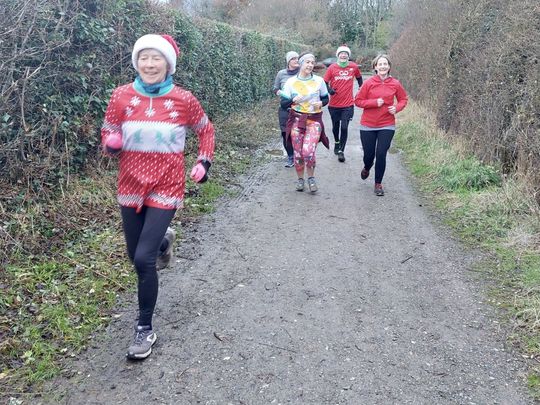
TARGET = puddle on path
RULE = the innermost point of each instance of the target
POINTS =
(274, 152)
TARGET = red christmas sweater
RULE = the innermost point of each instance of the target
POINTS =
(342, 81)
(153, 131)
(389, 90)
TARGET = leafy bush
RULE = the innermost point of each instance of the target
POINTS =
(62, 62)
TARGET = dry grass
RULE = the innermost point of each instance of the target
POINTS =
(501, 218)
(474, 65)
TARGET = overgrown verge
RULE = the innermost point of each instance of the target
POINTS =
(474, 65)
(51, 304)
(62, 264)
(61, 61)
(490, 211)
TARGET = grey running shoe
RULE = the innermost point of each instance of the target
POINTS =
(143, 340)
(379, 190)
(341, 156)
(312, 184)
(290, 162)
(164, 258)
(300, 185)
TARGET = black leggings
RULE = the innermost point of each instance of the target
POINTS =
(283, 116)
(287, 144)
(340, 123)
(144, 234)
(376, 145)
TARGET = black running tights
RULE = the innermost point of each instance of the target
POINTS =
(376, 145)
(342, 124)
(287, 144)
(144, 234)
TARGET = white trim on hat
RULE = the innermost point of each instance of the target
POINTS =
(343, 48)
(157, 42)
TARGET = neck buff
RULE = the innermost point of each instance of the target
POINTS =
(156, 87)
(293, 71)
(343, 64)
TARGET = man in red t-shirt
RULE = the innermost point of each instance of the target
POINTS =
(339, 80)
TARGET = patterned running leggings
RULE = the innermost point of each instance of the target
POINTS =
(305, 144)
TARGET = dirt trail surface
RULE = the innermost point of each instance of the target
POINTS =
(340, 297)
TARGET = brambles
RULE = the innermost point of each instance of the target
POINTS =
(479, 73)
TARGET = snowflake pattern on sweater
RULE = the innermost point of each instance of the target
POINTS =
(153, 132)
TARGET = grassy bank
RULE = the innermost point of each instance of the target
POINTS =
(488, 210)
(52, 304)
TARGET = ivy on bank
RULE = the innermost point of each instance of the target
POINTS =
(61, 75)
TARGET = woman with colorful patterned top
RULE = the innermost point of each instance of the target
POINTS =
(305, 94)
(146, 125)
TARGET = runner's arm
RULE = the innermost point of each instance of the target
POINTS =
(331, 91)
(324, 100)
(285, 102)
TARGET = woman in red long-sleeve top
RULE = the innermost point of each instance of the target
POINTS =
(145, 125)
(381, 97)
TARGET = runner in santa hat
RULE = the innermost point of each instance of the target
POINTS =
(145, 125)
(339, 79)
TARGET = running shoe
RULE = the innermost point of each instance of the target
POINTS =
(379, 191)
(364, 174)
(300, 185)
(143, 340)
(312, 184)
(290, 162)
(164, 258)
(341, 156)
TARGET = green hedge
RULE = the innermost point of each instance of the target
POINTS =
(56, 81)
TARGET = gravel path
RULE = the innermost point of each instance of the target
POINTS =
(340, 297)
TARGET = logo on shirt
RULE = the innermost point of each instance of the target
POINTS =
(343, 75)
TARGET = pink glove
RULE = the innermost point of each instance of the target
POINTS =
(199, 172)
(113, 144)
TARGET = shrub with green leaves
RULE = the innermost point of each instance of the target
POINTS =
(62, 62)
(61, 252)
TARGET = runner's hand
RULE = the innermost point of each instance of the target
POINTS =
(113, 144)
(199, 173)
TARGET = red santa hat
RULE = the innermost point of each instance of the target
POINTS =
(162, 43)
